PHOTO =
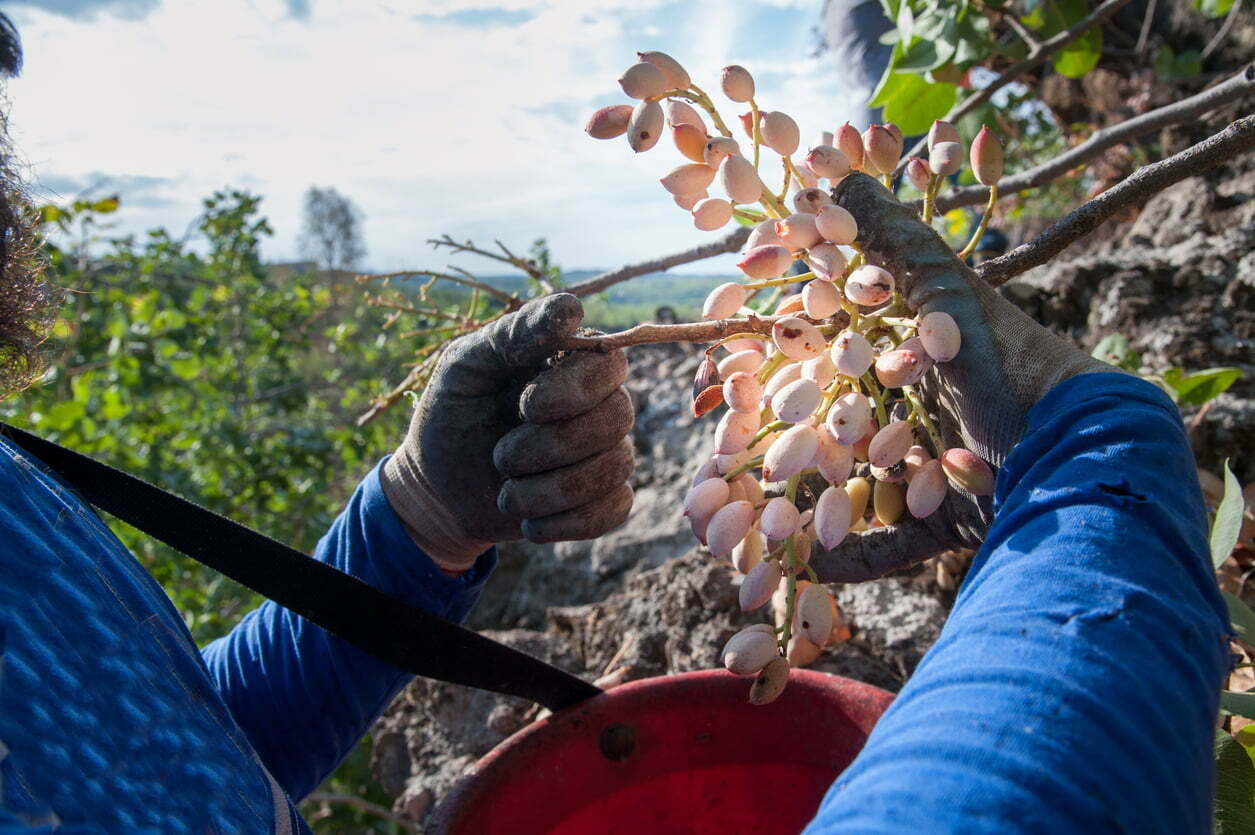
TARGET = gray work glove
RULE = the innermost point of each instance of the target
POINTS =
(509, 441)
(1007, 363)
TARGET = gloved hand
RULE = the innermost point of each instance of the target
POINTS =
(504, 445)
(1007, 362)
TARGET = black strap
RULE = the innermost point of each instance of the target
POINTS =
(376, 622)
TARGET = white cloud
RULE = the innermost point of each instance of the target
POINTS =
(462, 121)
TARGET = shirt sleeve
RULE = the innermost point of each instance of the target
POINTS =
(305, 697)
(1074, 688)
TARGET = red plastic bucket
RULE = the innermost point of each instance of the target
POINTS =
(684, 753)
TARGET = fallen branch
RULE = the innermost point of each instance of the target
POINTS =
(1186, 110)
(728, 243)
(1035, 58)
(1237, 138)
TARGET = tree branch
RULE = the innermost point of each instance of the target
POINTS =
(1186, 110)
(728, 243)
(1237, 138)
(511, 301)
(1035, 58)
(650, 333)
(363, 804)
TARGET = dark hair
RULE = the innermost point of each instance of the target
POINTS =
(28, 303)
(10, 47)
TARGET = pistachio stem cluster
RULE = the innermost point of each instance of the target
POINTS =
(823, 418)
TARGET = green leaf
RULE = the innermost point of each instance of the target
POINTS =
(1114, 349)
(1228, 522)
(905, 19)
(924, 55)
(63, 415)
(1240, 616)
(106, 205)
(1197, 388)
(1171, 67)
(891, 83)
(1079, 57)
(916, 103)
(1213, 8)
(1235, 787)
(186, 368)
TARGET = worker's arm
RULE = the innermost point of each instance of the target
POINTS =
(1074, 688)
(305, 697)
(506, 442)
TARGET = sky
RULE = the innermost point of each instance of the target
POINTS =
(433, 116)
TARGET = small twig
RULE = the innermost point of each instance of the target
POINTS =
(1224, 29)
(510, 300)
(365, 805)
(1136, 189)
(1034, 59)
(649, 333)
(1234, 88)
(1025, 35)
(728, 243)
(1145, 33)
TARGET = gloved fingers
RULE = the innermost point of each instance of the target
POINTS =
(536, 331)
(544, 494)
(539, 447)
(870, 554)
(588, 521)
(575, 383)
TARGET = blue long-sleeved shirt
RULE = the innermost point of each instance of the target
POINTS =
(1075, 685)
(111, 720)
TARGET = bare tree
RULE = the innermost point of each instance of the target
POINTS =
(331, 231)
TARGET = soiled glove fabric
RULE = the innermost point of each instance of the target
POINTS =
(1006, 364)
(513, 440)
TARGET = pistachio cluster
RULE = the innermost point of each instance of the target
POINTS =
(824, 431)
